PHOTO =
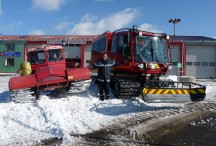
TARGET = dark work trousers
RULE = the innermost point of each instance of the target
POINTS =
(104, 87)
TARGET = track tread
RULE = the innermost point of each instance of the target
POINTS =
(23, 96)
(126, 88)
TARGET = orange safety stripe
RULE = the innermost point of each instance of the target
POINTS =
(173, 91)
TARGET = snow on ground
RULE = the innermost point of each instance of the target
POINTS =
(24, 124)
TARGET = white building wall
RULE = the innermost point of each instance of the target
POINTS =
(175, 57)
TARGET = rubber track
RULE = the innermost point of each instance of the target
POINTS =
(22, 96)
(128, 89)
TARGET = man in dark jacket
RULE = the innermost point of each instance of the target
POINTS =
(104, 68)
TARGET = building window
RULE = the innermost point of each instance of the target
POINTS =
(189, 63)
(10, 47)
(204, 63)
(9, 62)
(196, 63)
(211, 63)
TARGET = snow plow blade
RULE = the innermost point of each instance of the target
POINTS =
(174, 92)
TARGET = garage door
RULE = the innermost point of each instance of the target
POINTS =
(175, 55)
(73, 52)
(87, 55)
(200, 61)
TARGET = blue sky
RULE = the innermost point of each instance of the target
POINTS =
(93, 17)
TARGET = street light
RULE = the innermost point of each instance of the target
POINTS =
(174, 21)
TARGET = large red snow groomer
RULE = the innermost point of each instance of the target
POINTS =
(141, 59)
(45, 69)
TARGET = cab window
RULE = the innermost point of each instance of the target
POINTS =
(123, 48)
(113, 45)
(55, 55)
(37, 57)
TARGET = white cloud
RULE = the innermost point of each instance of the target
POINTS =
(89, 25)
(88, 17)
(62, 26)
(36, 32)
(48, 5)
(149, 27)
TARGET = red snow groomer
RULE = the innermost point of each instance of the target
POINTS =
(45, 69)
(141, 59)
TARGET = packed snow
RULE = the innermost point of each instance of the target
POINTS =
(29, 123)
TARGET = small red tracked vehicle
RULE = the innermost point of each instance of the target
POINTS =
(45, 69)
(141, 59)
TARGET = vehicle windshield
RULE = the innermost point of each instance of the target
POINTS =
(54, 55)
(151, 49)
(36, 57)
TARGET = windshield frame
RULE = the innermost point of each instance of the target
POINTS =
(151, 49)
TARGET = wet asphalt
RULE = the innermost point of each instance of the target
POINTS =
(196, 133)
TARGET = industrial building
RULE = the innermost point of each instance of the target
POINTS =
(196, 55)
(191, 55)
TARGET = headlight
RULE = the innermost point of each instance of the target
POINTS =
(167, 37)
(140, 66)
(170, 67)
(152, 66)
(140, 33)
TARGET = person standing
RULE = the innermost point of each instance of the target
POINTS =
(103, 80)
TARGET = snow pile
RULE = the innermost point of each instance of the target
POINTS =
(25, 124)
(210, 93)
(170, 78)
